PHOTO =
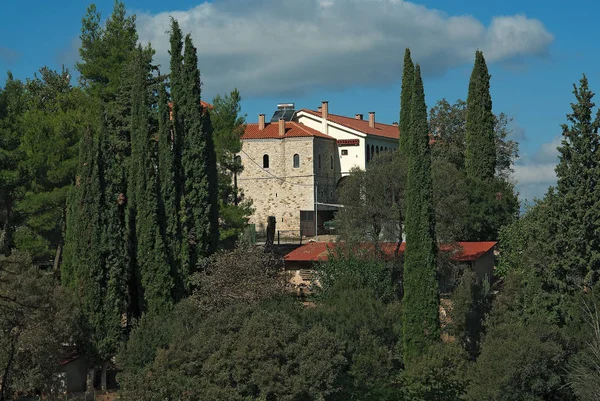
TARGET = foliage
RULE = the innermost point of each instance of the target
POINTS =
(229, 126)
(439, 374)
(244, 353)
(492, 205)
(521, 362)
(480, 152)
(373, 201)
(448, 125)
(156, 278)
(52, 126)
(12, 107)
(243, 275)
(577, 193)
(470, 304)
(421, 299)
(358, 268)
(408, 79)
(584, 373)
(200, 192)
(36, 321)
(105, 50)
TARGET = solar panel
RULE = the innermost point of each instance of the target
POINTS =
(286, 114)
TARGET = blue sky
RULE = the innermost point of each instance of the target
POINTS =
(350, 53)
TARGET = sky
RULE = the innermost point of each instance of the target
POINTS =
(350, 52)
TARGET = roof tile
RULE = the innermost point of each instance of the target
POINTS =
(271, 131)
(459, 252)
(380, 129)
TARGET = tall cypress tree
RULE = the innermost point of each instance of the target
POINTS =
(151, 253)
(200, 203)
(96, 284)
(177, 247)
(168, 211)
(480, 155)
(421, 325)
(408, 78)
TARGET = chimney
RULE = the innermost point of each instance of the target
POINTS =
(358, 116)
(261, 122)
(372, 119)
(281, 127)
(319, 109)
(395, 123)
(325, 109)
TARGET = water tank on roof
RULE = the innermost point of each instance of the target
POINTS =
(285, 111)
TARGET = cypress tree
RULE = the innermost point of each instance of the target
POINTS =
(480, 154)
(151, 255)
(167, 190)
(408, 78)
(96, 285)
(421, 325)
(200, 203)
(179, 247)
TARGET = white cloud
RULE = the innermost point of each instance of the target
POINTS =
(278, 47)
(535, 173)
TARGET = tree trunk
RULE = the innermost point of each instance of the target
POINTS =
(57, 258)
(103, 377)
(90, 383)
(5, 376)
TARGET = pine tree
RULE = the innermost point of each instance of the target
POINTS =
(578, 189)
(200, 202)
(480, 155)
(151, 255)
(421, 325)
(408, 78)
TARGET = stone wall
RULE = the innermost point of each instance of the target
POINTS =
(282, 190)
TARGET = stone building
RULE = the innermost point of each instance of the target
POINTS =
(294, 163)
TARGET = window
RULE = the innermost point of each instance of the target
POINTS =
(377, 149)
(266, 161)
(296, 160)
(372, 152)
(331, 158)
(319, 161)
(368, 153)
(344, 152)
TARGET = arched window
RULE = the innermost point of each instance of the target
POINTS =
(331, 158)
(319, 161)
(372, 152)
(266, 161)
(368, 153)
(377, 149)
(296, 160)
(386, 148)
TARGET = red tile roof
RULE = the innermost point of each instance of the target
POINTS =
(383, 130)
(460, 251)
(271, 131)
(206, 104)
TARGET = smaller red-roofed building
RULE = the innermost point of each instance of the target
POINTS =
(479, 256)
